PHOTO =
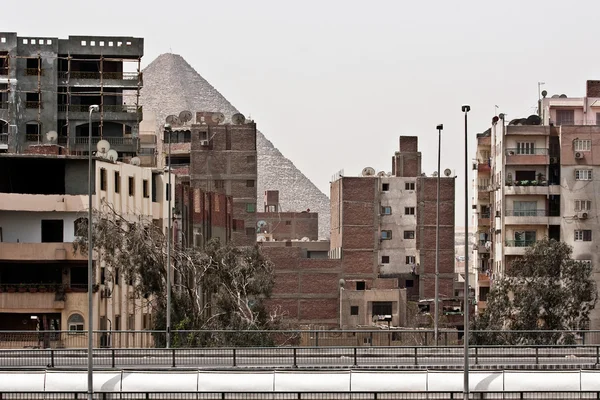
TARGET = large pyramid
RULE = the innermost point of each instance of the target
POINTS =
(172, 85)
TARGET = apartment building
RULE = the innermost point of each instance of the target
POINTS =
(276, 224)
(540, 184)
(47, 85)
(209, 155)
(43, 282)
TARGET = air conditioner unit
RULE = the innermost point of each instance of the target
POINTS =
(204, 143)
(553, 160)
(582, 215)
(578, 155)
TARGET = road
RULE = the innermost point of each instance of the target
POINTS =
(342, 357)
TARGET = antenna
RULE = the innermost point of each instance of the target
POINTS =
(368, 171)
(135, 161)
(173, 120)
(218, 117)
(447, 172)
(185, 116)
(103, 146)
(238, 119)
(51, 136)
(112, 155)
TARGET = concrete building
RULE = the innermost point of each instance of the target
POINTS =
(541, 184)
(47, 85)
(44, 282)
(275, 224)
(211, 156)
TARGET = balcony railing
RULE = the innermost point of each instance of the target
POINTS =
(526, 213)
(526, 152)
(484, 215)
(127, 76)
(4, 138)
(520, 243)
(123, 141)
(33, 71)
(576, 122)
(33, 104)
(34, 138)
(124, 108)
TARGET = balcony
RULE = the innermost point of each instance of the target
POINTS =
(481, 247)
(529, 217)
(43, 203)
(123, 144)
(122, 112)
(115, 79)
(517, 247)
(39, 252)
(483, 167)
(12, 299)
(529, 187)
(519, 156)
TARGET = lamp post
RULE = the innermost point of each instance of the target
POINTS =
(436, 328)
(169, 191)
(92, 109)
(465, 109)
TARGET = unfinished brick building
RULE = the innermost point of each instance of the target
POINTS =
(275, 224)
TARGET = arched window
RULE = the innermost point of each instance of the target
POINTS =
(75, 322)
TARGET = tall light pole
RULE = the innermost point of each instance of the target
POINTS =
(436, 328)
(465, 109)
(169, 191)
(93, 108)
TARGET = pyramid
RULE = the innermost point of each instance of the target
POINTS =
(171, 85)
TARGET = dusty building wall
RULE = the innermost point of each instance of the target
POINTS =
(290, 225)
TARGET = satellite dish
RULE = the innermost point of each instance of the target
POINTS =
(388, 174)
(562, 96)
(447, 172)
(368, 171)
(261, 224)
(238, 119)
(218, 117)
(544, 93)
(261, 238)
(185, 116)
(103, 146)
(51, 136)
(135, 161)
(173, 120)
(381, 174)
(112, 155)
(305, 239)
(435, 173)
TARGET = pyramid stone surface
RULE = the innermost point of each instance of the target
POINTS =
(171, 85)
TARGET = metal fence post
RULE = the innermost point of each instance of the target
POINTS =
(317, 339)
(416, 356)
(597, 355)
(295, 363)
(355, 357)
(173, 357)
(112, 352)
(52, 358)
(537, 355)
(476, 355)
(234, 360)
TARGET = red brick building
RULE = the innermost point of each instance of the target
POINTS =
(274, 224)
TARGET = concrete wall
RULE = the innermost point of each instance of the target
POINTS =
(26, 227)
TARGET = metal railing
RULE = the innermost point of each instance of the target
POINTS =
(3, 138)
(33, 71)
(407, 357)
(128, 76)
(576, 122)
(34, 138)
(3, 105)
(121, 141)
(526, 213)
(124, 108)
(313, 395)
(33, 104)
(526, 152)
(484, 214)
(519, 243)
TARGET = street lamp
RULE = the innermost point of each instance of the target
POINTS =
(465, 109)
(92, 109)
(168, 129)
(436, 333)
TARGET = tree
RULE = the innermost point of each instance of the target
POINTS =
(220, 288)
(543, 290)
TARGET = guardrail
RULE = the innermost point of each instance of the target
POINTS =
(407, 357)
(526, 213)
(526, 152)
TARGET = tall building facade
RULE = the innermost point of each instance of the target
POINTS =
(47, 85)
(540, 184)
(43, 281)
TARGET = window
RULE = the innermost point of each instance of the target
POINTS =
(131, 186)
(410, 283)
(353, 310)
(583, 235)
(409, 210)
(361, 285)
(525, 238)
(583, 145)
(250, 159)
(409, 186)
(116, 276)
(168, 192)
(386, 210)
(410, 260)
(146, 321)
(219, 184)
(597, 118)
(409, 234)
(385, 187)
(288, 223)
(526, 148)
(103, 275)
(117, 322)
(117, 182)
(385, 259)
(131, 322)
(249, 183)
(145, 188)
(583, 205)
(75, 322)
(80, 226)
(52, 231)
(565, 117)
(386, 235)
(102, 179)
(250, 207)
(583, 174)
(382, 308)
(525, 208)
(250, 231)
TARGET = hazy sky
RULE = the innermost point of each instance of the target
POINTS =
(333, 84)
